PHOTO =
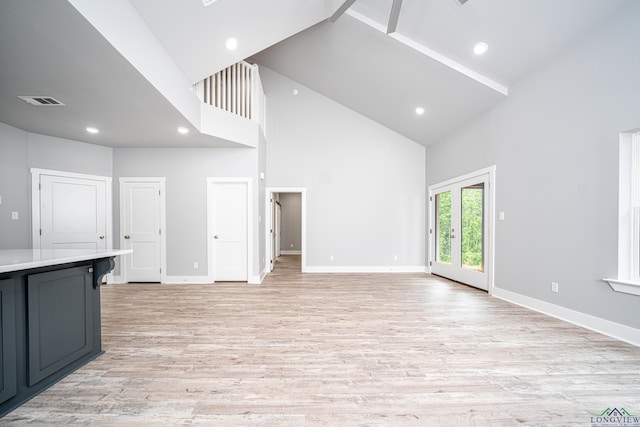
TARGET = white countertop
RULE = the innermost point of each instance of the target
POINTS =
(23, 259)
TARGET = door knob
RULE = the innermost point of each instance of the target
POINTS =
(127, 236)
(102, 237)
(216, 236)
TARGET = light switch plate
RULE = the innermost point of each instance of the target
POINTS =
(14, 216)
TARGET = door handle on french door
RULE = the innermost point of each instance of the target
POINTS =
(216, 236)
(101, 237)
(127, 237)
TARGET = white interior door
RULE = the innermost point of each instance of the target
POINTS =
(278, 229)
(73, 213)
(228, 201)
(141, 230)
(460, 231)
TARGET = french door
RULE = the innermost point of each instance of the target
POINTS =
(460, 230)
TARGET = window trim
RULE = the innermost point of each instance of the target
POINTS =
(628, 280)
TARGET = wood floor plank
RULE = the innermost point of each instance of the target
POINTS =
(336, 349)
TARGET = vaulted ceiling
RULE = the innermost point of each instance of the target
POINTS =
(50, 48)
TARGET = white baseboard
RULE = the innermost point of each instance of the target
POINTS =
(191, 280)
(256, 279)
(197, 280)
(593, 323)
(111, 279)
(290, 252)
(365, 269)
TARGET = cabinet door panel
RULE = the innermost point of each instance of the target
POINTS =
(8, 367)
(60, 325)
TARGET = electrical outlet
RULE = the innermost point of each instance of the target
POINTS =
(330, 257)
(395, 257)
(14, 216)
(554, 287)
(290, 245)
(195, 265)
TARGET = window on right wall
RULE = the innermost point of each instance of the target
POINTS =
(628, 280)
(634, 212)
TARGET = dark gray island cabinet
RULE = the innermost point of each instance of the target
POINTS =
(49, 317)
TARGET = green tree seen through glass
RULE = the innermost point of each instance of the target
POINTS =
(472, 227)
(443, 226)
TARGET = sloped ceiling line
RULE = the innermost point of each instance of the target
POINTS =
(390, 30)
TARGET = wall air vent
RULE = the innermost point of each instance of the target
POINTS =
(41, 101)
(208, 2)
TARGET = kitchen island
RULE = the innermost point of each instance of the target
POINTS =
(49, 317)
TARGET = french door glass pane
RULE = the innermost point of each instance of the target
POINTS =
(443, 227)
(472, 227)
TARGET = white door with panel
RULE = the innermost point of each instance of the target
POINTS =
(229, 230)
(73, 213)
(460, 230)
(140, 206)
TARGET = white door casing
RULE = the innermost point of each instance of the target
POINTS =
(270, 249)
(229, 228)
(70, 210)
(483, 279)
(142, 213)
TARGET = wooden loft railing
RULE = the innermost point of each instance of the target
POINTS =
(236, 89)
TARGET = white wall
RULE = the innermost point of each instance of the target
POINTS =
(260, 208)
(14, 188)
(365, 183)
(186, 170)
(49, 152)
(555, 143)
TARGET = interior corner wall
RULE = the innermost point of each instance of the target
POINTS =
(365, 183)
(19, 152)
(186, 171)
(555, 143)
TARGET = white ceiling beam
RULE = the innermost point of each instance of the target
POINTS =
(393, 16)
(433, 55)
(341, 10)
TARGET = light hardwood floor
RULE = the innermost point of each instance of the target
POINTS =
(336, 350)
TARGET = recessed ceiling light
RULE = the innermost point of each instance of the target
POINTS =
(231, 43)
(183, 130)
(480, 48)
(91, 129)
(294, 92)
(419, 111)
